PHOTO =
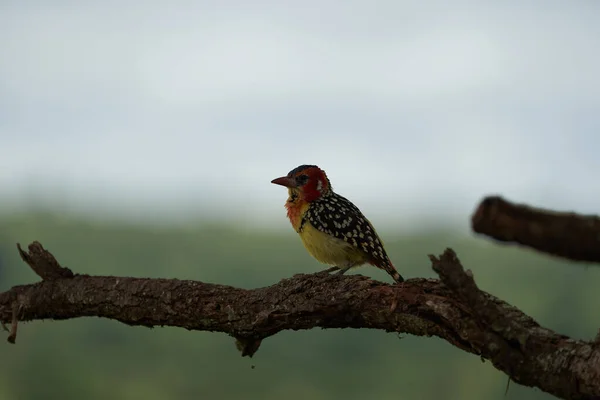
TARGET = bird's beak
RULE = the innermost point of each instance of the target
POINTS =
(285, 181)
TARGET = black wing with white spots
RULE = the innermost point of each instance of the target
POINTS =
(337, 216)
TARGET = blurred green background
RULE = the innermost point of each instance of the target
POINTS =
(97, 359)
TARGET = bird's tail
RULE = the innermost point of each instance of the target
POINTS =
(388, 267)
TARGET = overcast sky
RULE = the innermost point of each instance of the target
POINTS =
(414, 108)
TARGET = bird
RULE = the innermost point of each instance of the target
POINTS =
(333, 230)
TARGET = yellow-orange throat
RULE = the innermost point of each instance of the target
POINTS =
(296, 208)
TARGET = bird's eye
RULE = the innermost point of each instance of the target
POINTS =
(302, 179)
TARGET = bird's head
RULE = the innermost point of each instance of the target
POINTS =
(307, 182)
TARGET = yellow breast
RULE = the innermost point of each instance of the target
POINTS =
(329, 249)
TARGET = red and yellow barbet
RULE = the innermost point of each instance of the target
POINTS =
(333, 230)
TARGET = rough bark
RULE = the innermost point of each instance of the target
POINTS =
(452, 308)
(564, 234)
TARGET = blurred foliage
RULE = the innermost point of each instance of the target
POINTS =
(97, 359)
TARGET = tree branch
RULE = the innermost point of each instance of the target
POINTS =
(564, 234)
(43, 263)
(453, 309)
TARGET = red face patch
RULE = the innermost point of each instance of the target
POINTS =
(316, 185)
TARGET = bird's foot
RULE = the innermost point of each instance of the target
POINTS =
(342, 271)
(328, 271)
